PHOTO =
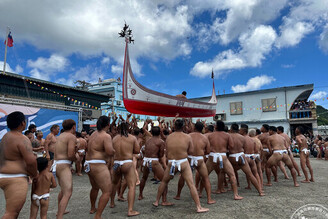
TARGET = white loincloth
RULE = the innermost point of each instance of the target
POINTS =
(216, 156)
(250, 156)
(38, 198)
(176, 163)
(9, 175)
(306, 151)
(53, 167)
(82, 151)
(280, 151)
(194, 160)
(237, 156)
(88, 162)
(266, 149)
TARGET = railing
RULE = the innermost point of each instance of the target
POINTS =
(302, 114)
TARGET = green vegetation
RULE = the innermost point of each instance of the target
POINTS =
(322, 114)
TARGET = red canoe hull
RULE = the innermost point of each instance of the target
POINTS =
(157, 109)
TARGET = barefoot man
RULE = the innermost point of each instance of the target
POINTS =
(266, 153)
(16, 162)
(81, 146)
(99, 149)
(125, 145)
(277, 146)
(249, 149)
(280, 131)
(154, 151)
(257, 154)
(304, 154)
(64, 155)
(220, 141)
(179, 145)
(196, 160)
(51, 141)
(237, 156)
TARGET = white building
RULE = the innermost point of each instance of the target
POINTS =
(284, 106)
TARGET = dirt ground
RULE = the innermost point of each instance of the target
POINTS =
(281, 200)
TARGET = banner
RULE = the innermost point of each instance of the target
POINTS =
(42, 118)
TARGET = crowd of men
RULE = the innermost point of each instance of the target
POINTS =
(115, 153)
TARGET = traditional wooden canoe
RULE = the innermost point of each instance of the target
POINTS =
(141, 100)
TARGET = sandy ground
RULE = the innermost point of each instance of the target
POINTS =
(281, 200)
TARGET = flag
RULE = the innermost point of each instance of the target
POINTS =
(212, 74)
(10, 40)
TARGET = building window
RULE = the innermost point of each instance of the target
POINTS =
(220, 116)
(236, 108)
(269, 105)
(118, 102)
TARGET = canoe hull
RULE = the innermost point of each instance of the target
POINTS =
(158, 109)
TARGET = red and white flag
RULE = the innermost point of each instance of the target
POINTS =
(10, 40)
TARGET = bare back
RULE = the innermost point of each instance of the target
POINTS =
(238, 143)
(286, 138)
(43, 183)
(99, 146)
(277, 142)
(178, 146)
(301, 142)
(201, 144)
(258, 145)
(154, 148)
(220, 142)
(250, 145)
(264, 139)
(65, 146)
(125, 147)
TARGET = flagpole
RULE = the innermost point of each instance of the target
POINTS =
(5, 59)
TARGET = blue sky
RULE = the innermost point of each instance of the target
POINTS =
(250, 44)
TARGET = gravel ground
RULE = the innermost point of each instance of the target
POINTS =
(281, 200)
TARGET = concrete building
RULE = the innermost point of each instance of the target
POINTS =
(285, 106)
(113, 89)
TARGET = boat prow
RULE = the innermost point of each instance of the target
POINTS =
(141, 100)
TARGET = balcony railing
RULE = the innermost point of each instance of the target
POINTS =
(303, 114)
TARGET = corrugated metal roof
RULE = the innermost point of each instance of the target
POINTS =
(51, 83)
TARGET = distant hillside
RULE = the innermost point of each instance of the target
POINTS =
(322, 115)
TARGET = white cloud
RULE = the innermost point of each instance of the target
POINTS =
(241, 15)
(323, 42)
(253, 84)
(91, 27)
(304, 17)
(88, 74)
(319, 95)
(291, 35)
(287, 66)
(254, 45)
(35, 73)
(54, 63)
(105, 61)
(18, 69)
(8, 68)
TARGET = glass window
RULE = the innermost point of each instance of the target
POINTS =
(236, 108)
(269, 105)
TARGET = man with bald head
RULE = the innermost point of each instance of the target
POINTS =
(249, 150)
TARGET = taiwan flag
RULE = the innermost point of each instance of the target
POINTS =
(10, 40)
